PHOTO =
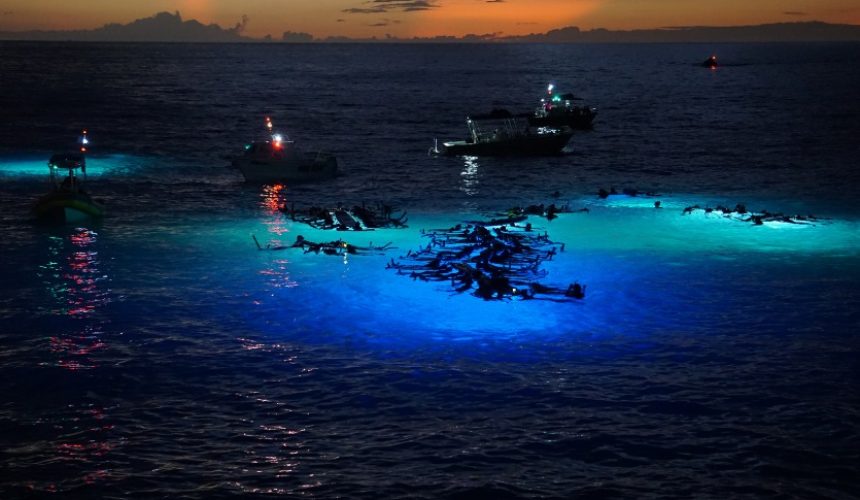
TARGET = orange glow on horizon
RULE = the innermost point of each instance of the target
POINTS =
(197, 9)
(323, 18)
(461, 17)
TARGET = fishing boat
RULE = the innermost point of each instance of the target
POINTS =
(560, 110)
(501, 133)
(68, 201)
(710, 62)
(278, 159)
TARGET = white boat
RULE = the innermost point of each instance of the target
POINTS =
(279, 159)
(501, 133)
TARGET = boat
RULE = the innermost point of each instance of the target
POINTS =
(278, 159)
(501, 133)
(710, 62)
(68, 201)
(559, 110)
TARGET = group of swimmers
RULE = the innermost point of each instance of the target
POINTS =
(550, 211)
(336, 247)
(741, 213)
(494, 260)
(358, 218)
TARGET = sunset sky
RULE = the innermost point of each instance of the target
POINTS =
(407, 18)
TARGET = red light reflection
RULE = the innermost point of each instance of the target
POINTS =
(76, 283)
(272, 197)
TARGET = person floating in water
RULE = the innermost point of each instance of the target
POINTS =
(576, 291)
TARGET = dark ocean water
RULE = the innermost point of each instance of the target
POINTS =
(158, 354)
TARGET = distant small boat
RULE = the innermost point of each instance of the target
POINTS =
(68, 202)
(560, 110)
(502, 134)
(279, 159)
(710, 62)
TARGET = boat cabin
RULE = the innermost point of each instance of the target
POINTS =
(70, 162)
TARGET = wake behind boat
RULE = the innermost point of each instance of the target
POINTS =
(68, 202)
(278, 159)
(502, 134)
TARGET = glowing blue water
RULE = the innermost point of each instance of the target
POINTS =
(36, 165)
(159, 353)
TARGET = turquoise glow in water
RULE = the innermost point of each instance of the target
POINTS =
(36, 165)
(646, 270)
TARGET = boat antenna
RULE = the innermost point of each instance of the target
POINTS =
(269, 126)
(85, 144)
(277, 139)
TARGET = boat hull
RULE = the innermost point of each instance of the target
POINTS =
(294, 170)
(61, 207)
(526, 145)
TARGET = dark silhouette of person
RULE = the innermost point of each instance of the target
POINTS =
(576, 291)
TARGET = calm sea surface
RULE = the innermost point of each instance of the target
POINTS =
(159, 354)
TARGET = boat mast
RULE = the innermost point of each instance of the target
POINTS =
(85, 141)
(473, 129)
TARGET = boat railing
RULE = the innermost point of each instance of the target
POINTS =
(504, 128)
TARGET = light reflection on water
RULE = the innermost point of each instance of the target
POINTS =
(646, 269)
(77, 287)
(469, 176)
(77, 292)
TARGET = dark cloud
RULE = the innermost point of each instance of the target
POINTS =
(495, 1)
(795, 13)
(382, 6)
(358, 10)
(297, 37)
(384, 22)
